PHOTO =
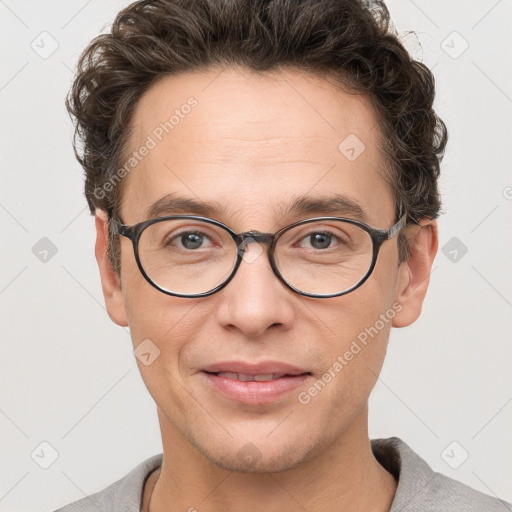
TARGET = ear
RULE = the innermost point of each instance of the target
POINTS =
(110, 282)
(414, 274)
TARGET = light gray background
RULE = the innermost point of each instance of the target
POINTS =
(68, 375)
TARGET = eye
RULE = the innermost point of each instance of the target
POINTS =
(319, 240)
(189, 240)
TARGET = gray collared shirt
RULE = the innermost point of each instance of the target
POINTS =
(420, 489)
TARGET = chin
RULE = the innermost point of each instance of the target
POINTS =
(256, 457)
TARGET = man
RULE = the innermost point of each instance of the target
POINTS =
(263, 177)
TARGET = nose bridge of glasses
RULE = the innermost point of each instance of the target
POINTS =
(248, 237)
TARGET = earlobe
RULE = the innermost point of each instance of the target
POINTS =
(110, 284)
(414, 274)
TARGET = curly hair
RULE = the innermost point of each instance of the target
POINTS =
(350, 40)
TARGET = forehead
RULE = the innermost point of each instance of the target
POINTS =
(252, 142)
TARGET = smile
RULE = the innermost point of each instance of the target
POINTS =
(255, 384)
(247, 378)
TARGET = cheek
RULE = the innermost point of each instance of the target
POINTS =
(165, 327)
(358, 363)
(352, 362)
(159, 327)
(361, 325)
(149, 311)
(386, 272)
(163, 324)
(160, 334)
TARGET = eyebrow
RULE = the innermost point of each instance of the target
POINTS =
(336, 205)
(172, 203)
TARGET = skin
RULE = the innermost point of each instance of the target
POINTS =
(251, 144)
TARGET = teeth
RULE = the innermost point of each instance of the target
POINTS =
(269, 376)
(229, 375)
(247, 378)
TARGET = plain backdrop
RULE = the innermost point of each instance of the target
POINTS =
(68, 374)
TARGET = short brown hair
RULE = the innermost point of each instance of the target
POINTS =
(350, 40)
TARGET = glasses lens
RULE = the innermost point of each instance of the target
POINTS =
(324, 257)
(187, 256)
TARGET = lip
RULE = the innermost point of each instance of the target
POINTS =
(265, 367)
(255, 392)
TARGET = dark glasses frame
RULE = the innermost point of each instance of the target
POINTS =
(378, 237)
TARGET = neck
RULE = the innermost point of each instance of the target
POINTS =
(344, 476)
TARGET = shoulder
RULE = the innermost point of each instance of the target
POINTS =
(420, 489)
(453, 495)
(125, 494)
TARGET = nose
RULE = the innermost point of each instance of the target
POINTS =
(255, 299)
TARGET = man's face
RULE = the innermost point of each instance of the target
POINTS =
(252, 145)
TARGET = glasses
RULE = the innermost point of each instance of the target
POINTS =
(193, 256)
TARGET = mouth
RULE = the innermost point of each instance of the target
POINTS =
(265, 377)
(254, 384)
